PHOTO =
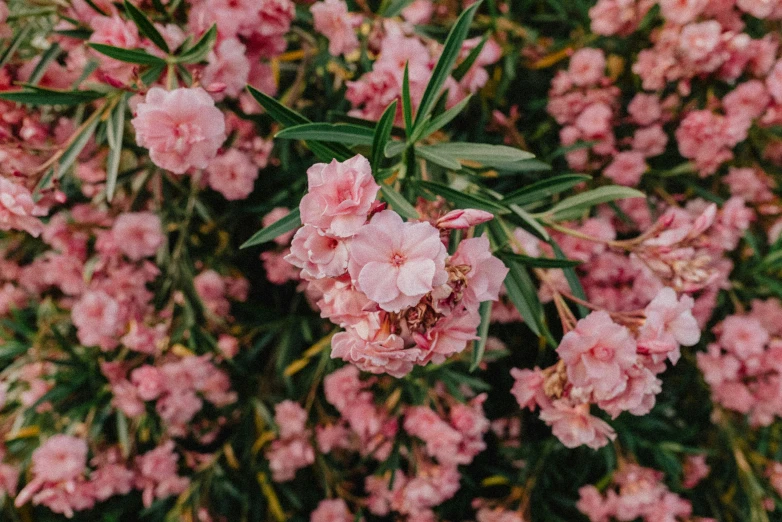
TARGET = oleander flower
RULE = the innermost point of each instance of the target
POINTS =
(396, 263)
(331, 19)
(598, 353)
(181, 128)
(339, 196)
(138, 234)
(18, 211)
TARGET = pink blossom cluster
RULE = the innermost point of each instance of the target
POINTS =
(177, 388)
(635, 492)
(609, 364)
(293, 449)
(742, 366)
(451, 433)
(63, 482)
(391, 284)
(398, 47)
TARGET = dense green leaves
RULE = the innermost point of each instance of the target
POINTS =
(382, 134)
(340, 133)
(201, 49)
(32, 95)
(137, 56)
(146, 27)
(575, 206)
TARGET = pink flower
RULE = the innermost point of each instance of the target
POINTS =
(291, 419)
(229, 66)
(396, 263)
(331, 19)
(695, 470)
(157, 474)
(743, 336)
(289, 455)
(574, 426)
(698, 41)
(595, 121)
(449, 335)
(334, 510)
(60, 458)
(598, 352)
(587, 66)
(149, 382)
(774, 82)
(18, 211)
(318, 254)
(181, 128)
(650, 141)
(462, 219)
(682, 11)
(486, 274)
(418, 12)
(528, 387)
(232, 174)
(343, 387)
(669, 323)
(749, 100)
(339, 196)
(138, 234)
(375, 352)
(276, 17)
(645, 109)
(97, 319)
(627, 168)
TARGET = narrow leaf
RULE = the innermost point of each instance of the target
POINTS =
(40, 69)
(39, 96)
(529, 223)
(394, 148)
(544, 188)
(573, 281)
(464, 66)
(407, 104)
(137, 56)
(431, 154)
(399, 203)
(438, 122)
(451, 50)
(462, 199)
(382, 134)
(115, 130)
(274, 230)
(391, 8)
(146, 27)
(483, 153)
(574, 206)
(201, 49)
(541, 262)
(479, 346)
(340, 133)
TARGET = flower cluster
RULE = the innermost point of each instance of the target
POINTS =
(391, 284)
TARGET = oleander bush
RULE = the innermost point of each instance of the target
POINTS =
(357, 260)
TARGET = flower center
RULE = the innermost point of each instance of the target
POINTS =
(603, 353)
(398, 259)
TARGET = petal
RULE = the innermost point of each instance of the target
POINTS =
(379, 281)
(415, 277)
(421, 240)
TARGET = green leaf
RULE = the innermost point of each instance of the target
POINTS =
(462, 199)
(517, 167)
(573, 281)
(70, 155)
(340, 133)
(544, 188)
(438, 122)
(115, 128)
(17, 40)
(482, 153)
(462, 68)
(137, 56)
(529, 223)
(407, 104)
(522, 294)
(151, 75)
(451, 50)
(541, 262)
(146, 27)
(274, 230)
(433, 155)
(382, 134)
(33, 95)
(398, 202)
(394, 148)
(479, 346)
(40, 69)
(201, 49)
(574, 206)
(288, 118)
(391, 8)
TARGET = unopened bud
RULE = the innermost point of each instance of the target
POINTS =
(464, 218)
(216, 88)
